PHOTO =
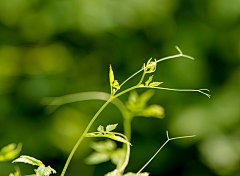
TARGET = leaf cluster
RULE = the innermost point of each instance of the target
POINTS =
(137, 105)
(108, 134)
(41, 170)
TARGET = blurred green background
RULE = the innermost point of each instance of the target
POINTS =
(58, 47)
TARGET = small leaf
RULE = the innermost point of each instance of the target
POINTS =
(154, 84)
(103, 146)
(111, 75)
(10, 152)
(28, 160)
(145, 96)
(117, 138)
(111, 136)
(97, 158)
(90, 135)
(116, 84)
(44, 171)
(149, 80)
(100, 128)
(53, 170)
(111, 127)
(133, 174)
(113, 173)
(153, 111)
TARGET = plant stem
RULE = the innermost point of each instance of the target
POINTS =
(168, 139)
(153, 157)
(127, 121)
(83, 135)
(131, 76)
(127, 126)
(143, 75)
(88, 127)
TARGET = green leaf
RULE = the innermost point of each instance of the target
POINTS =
(149, 80)
(145, 96)
(94, 135)
(153, 111)
(111, 75)
(154, 84)
(103, 146)
(136, 104)
(118, 138)
(113, 173)
(109, 135)
(111, 127)
(97, 158)
(100, 128)
(116, 84)
(133, 174)
(90, 135)
(44, 171)
(10, 152)
(28, 160)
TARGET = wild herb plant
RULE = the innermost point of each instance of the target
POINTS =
(135, 106)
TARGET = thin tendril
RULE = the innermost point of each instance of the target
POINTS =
(160, 60)
(180, 90)
(168, 139)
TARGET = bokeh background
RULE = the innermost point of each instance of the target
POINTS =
(58, 47)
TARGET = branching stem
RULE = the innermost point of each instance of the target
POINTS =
(168, 139)
(160, 60)
(88, 127)
(114, 96)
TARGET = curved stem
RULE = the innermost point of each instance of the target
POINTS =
(113, 97)
(88, 127)
(126, 160)
(125, 163)
(83, 135)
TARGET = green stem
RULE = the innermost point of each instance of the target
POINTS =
(88, 127)
(127, 126)
(168, 139)
(143, 75)
(153, 156)
(131, 77)
(83, 135)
